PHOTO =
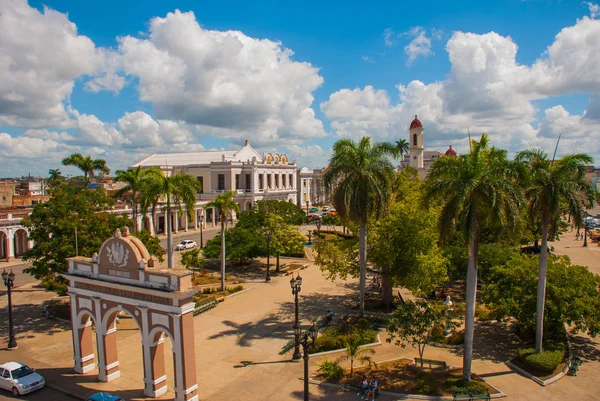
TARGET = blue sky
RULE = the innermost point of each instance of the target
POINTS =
(121, 80)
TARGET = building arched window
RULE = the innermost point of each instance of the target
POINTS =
(415, 139)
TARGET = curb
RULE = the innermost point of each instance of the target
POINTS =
(65, 392)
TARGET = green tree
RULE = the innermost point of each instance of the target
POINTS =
(476, 190)
(362, 175)
(134, 182)
(404, 245)
(354, 352)
(225, 205)
(86, 164)
(413, 323)
(151, 243)
(337, 256)
(52, 226)
(285, 238)
(553, 187)
(255, 217)
(572, 295)
(176, 190)
(192, 259)
(55, 176)
(402, 147)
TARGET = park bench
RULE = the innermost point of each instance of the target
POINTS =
(465, 393)
(431, 363)
(205, 305)
(574, 366)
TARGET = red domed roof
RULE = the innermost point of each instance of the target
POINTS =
(450, 152)
(416, 123)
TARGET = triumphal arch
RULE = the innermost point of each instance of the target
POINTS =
(123, 278)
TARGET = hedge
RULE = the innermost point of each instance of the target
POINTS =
(546, 361)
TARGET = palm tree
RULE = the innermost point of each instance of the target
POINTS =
(362, 175)
(86, 164)
(402, 147)
(477, 190)
(226, 205)
(54, 174)
(177, 190)
(134, 179)
(354, 352)
(554, 188)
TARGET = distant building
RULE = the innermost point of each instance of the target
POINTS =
(419, 158)
(311, 187)
(253, 176)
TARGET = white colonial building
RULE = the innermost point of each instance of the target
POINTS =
(253, 176)
(311, 187)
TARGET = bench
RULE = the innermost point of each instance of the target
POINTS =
(573, 366)
(465, 393)
(431, 363)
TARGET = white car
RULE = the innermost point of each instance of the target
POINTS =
(185, 244)
(19, 378)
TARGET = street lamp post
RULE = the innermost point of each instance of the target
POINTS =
(201, 229)
(9, 282)
(305, 349)
(585, 226)
(296, 284)
(448, 305)
(319, 227)
(268, 237)
(307, 212)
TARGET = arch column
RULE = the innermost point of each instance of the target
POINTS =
(83, 350)
(155, 379)
(186, 387)
(108, 359)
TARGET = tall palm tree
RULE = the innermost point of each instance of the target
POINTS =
(54, 174)
(133, 178)
(362, 176)
(476, 190)
(553, 189)
(402, 147)
(86, 164)
(226, 205)
(176, 190)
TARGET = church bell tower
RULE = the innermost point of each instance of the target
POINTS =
(416, 144)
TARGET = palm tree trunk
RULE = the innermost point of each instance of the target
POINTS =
(541, 290)
(135, 217)
(222, 253)
(171, 256)
(470, 312)
(277, 268)
(363, 268)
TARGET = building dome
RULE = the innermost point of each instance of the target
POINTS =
(416, 123)
(450, 152)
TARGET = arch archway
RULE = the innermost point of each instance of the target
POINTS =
(248, 205)
(4, 246)
(21, 242)
(122, 280)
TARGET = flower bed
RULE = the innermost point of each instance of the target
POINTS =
(355, 331)
(401, 376)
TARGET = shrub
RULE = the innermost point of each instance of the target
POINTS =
(424, 387)
(482, 313)
(331, 369)
(473, 386)
(335, 338)
(545, 362)
(232, 290)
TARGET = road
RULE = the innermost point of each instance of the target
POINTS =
(45, 394)
(20, 277)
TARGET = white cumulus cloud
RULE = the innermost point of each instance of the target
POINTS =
(420, 46)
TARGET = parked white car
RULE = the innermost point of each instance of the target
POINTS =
(185, 244)
(19, 378)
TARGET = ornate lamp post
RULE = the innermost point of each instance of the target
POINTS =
(296, 284)
(201, 228)
(305, 346)
(9, 282)
(585, 227)
(306, 212)
(448, 305)
(268, 235)
(319, 227)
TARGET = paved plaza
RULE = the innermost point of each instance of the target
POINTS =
(237, 346)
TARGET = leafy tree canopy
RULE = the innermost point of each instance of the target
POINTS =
(572, 295)
(255, 217)
(152, 244)
(52, 226)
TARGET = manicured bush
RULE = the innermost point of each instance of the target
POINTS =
(424, 387)
(473, 386)
(482, 313)
(335, 338)
(330, 369)
(232, 290)
(455, 338)
(546, 361)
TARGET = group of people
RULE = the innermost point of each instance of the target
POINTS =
(368, 388)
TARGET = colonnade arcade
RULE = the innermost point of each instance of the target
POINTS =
(13, 242)
(123, 277)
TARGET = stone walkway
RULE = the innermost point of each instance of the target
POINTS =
(237, 347)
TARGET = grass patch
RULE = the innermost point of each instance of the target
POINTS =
(355, 331)
(400, 376)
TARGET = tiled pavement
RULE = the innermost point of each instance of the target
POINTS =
(237, 347)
